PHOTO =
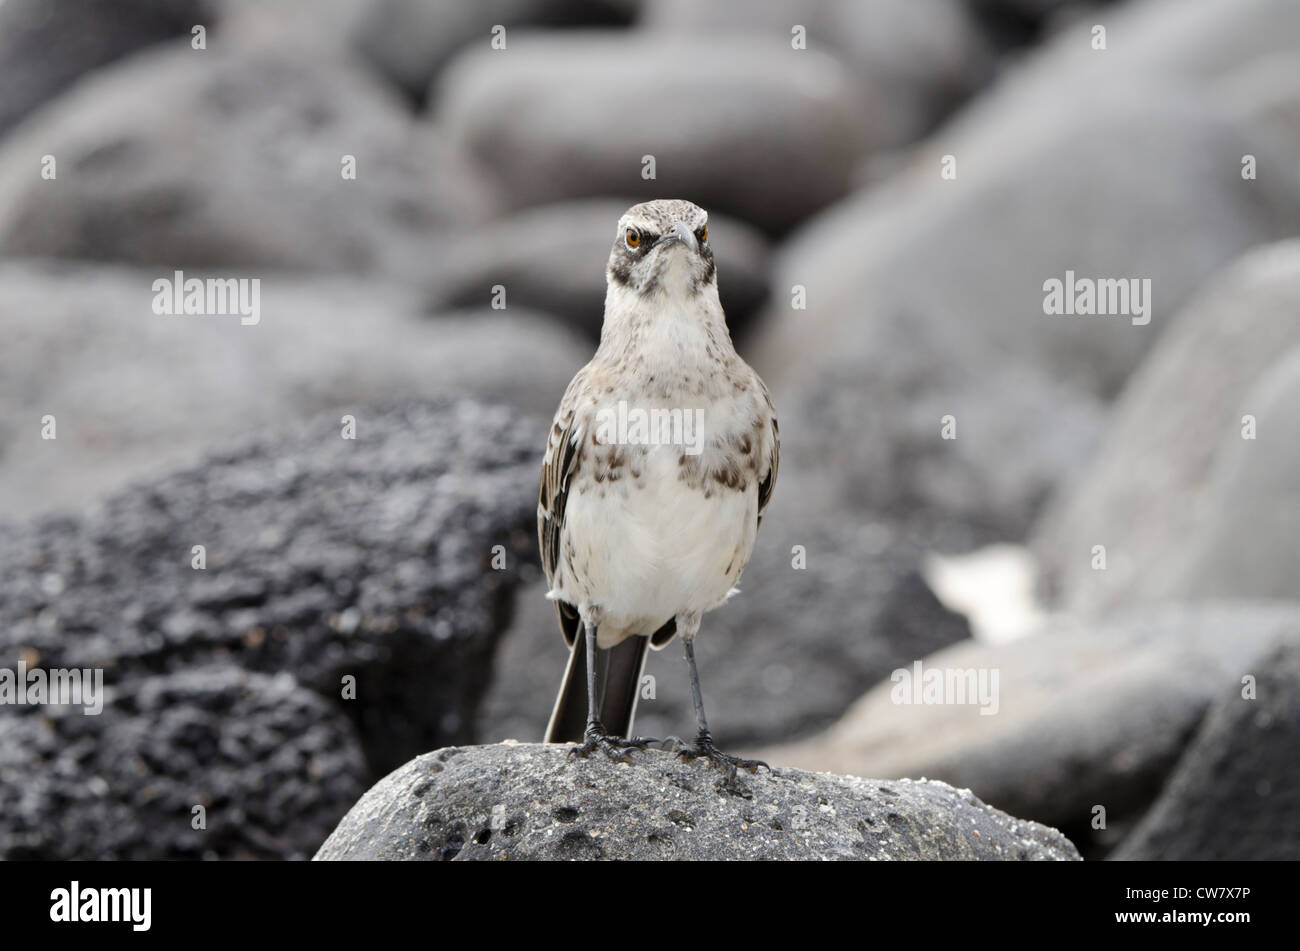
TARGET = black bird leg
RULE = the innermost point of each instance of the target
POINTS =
(595, 738)
(704, 739)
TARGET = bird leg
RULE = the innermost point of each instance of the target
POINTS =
(704, 747)
(594, 736)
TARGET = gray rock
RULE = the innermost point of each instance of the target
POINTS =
(552, 258)
(1143, 493)
(1246, 542)
(1267, 93)
(747, 127)
(536, 802)
(165, 186)
(1196, 40)
(46, 45)
(326, 558)
(273, 765)
(195, 384)
(1085, 716)
(785, 657)
(1195, 46)
(1236, 792)
(921, 57)
(939, 309)
(327, 28)
(409, 41)
(1032, 10)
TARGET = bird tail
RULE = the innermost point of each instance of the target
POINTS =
(618, 685)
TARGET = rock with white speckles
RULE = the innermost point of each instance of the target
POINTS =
(325, 558)
(532, 801)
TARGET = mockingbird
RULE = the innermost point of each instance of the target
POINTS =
(660, 464)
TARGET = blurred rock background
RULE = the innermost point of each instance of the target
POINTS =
(1149, 710)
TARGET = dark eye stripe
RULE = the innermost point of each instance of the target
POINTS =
(647, 242)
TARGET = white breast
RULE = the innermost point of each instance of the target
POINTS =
(644, 555)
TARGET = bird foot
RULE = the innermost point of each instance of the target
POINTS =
(703, 748)
(617, 748)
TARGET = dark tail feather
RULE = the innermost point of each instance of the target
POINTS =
(618, 682)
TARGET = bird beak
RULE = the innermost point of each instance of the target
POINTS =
(683, 234)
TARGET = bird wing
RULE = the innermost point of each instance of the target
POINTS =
(563, 450)
(767, 480)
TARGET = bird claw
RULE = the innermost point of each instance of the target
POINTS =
(617, 748)
(704, 749)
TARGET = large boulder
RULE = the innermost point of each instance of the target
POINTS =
(1236, 792)
(1246, 542)
(409, 41)
(536, 802)
(923, 56)
(1144, 492)
(1077, 717)
(927, 299)
(378, 571)
(552, 258)
(1199, 41)
(208, 763)
(745, 126)
(133, 392)
(238, 161)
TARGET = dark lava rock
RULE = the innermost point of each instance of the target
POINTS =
(271, 764)
(1236, 792)
(325, 557)
(532, 801)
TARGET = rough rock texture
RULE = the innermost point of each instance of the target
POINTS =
(46, 45)
(1142, 494)
(1236, 792)
(1085, 716)
(923, 56)
(237, 162)
(536, 802)
(272, 764)
(552, 258)
(776, 137)
(325, 557)
(785, 657)
(196, 384)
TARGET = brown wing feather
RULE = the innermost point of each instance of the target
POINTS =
(557, 466)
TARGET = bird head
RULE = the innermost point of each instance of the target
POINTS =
(662, 247)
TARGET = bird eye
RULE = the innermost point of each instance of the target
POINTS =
(633, 237)
(703, 234)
